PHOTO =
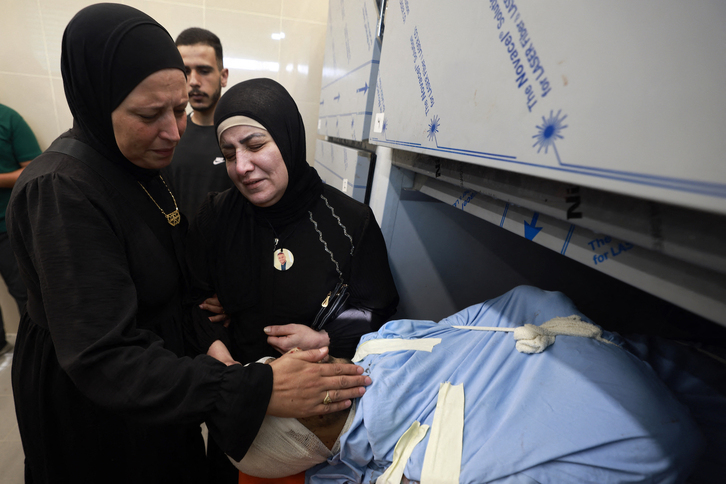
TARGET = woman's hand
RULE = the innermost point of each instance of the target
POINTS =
(219, 351)
(213, 305)
(288, 336)
(300, 384)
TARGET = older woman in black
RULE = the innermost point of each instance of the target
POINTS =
(274, 246)
(103, 389)
(280, 211)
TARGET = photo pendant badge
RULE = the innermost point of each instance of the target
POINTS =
(283, 259)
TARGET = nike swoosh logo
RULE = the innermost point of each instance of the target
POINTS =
(218, 161)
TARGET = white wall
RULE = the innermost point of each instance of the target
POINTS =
(31, 32)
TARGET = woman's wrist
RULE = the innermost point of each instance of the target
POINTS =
(324, 338)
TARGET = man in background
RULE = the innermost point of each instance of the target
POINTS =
(18, 147)
(198, 166)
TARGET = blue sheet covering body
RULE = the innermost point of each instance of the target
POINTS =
(581, 411)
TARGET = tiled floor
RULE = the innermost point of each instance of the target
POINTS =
(11, 451)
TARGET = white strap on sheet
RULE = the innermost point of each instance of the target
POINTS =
(378, 346)
(401, 453)
(535, 339)
(442, 462)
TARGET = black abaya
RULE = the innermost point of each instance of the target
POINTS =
(294, 295)
(103, 390)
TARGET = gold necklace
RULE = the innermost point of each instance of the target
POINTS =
(174, 217)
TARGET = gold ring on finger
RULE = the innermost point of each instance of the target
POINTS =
(327, 400)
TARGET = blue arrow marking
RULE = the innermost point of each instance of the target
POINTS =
(504, 215)
(363, 89)
(322, 102)
(337, 98)
(530, 229)
(567, 240)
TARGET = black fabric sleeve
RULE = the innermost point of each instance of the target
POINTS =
(200, 239)
(238, 415)
(373, 298)
(199, 254)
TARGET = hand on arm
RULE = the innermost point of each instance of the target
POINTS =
(288, 336)
(220, 352)
(300, 384)
(213, 305)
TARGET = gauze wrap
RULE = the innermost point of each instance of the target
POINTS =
(283, 447)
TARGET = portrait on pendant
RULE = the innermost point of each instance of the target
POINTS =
(283, 259)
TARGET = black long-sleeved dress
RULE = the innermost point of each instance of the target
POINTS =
(103, 389)
(294, 295)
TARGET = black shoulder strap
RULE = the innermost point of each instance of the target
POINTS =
(87, 155)
(72, 147)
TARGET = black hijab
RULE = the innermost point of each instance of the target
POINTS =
(267, 102)
(108, 49)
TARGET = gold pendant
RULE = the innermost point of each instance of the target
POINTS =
(173, 218)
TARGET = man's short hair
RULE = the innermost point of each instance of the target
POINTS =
(197, 35)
